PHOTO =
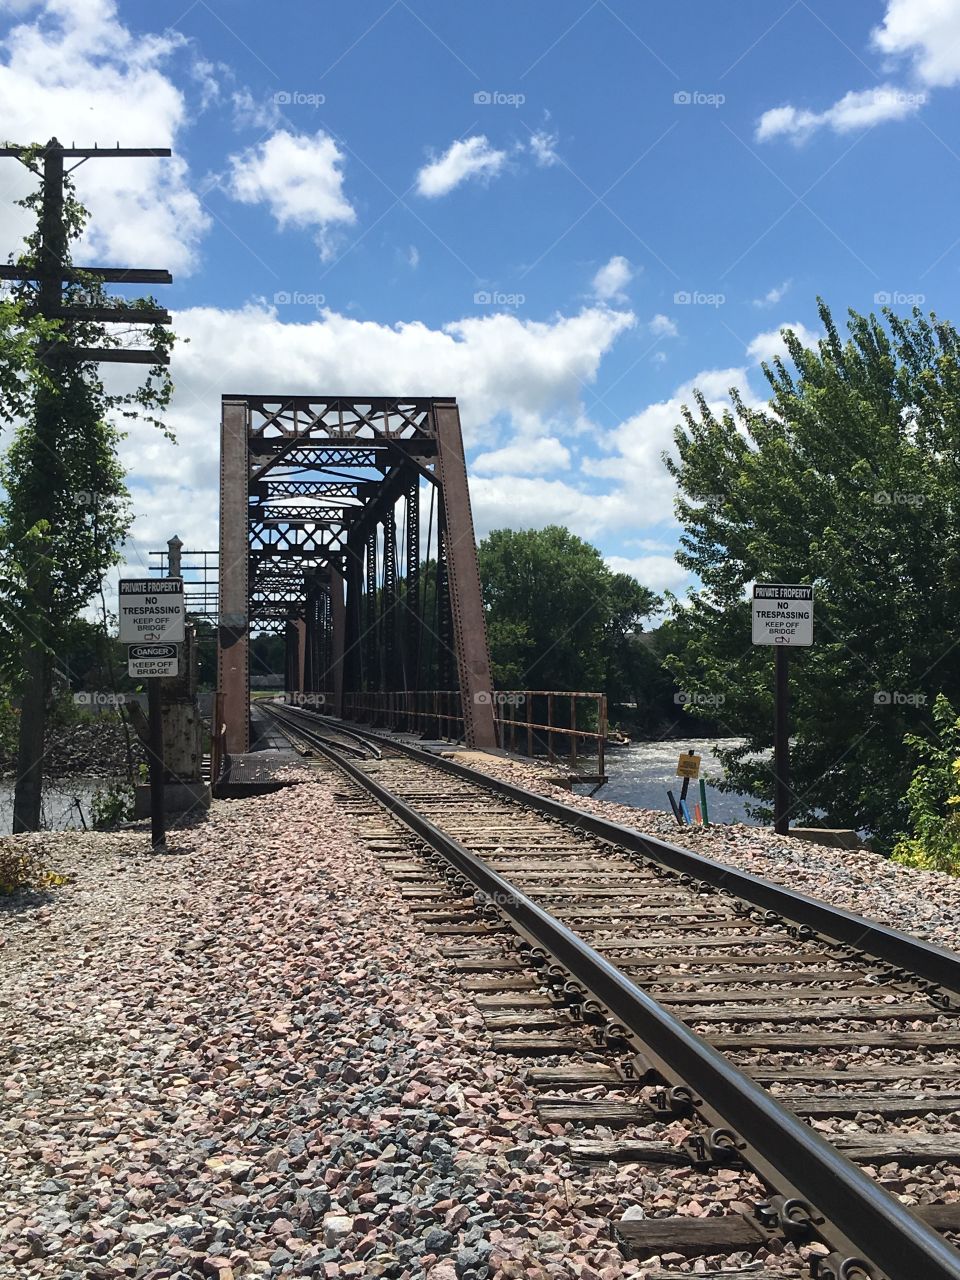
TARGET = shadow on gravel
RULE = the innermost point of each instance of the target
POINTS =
(12, 904)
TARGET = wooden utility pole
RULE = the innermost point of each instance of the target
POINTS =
(51, 272)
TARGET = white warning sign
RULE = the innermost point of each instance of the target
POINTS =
(782, 614)
(151, 611)
(150, 660)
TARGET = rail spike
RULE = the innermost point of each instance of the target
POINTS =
(834, 1266)
(677, 1102)
(793, 1217)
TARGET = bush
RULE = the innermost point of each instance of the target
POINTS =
(111, 805)
(20, 868)
(933, 797)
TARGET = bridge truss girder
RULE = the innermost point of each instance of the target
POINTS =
(311, 548)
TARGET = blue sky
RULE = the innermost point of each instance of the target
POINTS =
(565, 214)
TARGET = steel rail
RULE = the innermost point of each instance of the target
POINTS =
(850, 1212)
(290, 721)
(925, 960)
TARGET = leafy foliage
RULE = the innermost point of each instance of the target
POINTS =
(934, 797)
(111, 805)
(557, 616)
(848, 479)
(21, 868)
(65, 508)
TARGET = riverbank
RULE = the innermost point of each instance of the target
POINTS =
(641, 773)
(93, 747)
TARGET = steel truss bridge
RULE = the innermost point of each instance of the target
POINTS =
(345, 526)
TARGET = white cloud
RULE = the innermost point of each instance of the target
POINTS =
(538, 456)
(467, 158)
(543, 146)
(505, 372)
(612, 279)
(637, 445)
(769, 345)
(926, 31)
(530, 502)
(251, 113)
(413, 257)
(662, 326)
(77, 71)
(298, 178)
(660, 573)
(858, 109)
(774, 295)
(516, 380)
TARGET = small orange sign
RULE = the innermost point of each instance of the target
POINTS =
(688, 766)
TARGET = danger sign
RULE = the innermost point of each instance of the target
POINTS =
(688, 766)
(149, 660)
(782, 614)
(151, 610)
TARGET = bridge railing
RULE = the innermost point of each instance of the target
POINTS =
(535, 722)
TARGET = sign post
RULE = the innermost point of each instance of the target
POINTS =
(782, 616)
(152, 616)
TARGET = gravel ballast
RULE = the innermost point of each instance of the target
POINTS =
(243, 1057)
(923, 903)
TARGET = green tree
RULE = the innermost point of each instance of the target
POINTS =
(65, 508)
(933, 796)
(847, 479)
(629, 656)
(557, 617)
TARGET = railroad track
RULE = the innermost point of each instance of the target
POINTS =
(818, 1051)
(304, 730)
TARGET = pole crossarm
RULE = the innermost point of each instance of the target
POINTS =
(93, 153)
(110, 275)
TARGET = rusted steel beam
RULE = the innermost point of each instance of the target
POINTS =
(414, 608)
(338, 617)
(301, 668)
(233, 656)
(469, 626)
(388, 602)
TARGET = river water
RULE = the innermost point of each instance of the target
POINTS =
(639, 775)
(642, 773)
(60, 799)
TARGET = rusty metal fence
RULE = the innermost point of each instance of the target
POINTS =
(551, 723)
